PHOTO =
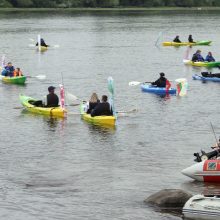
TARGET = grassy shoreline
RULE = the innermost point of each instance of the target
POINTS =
(113, 9)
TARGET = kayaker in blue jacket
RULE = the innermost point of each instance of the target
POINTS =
(176, 39)
(161, 82)
(8, 70)
(93, 102)
(103, 108)
(209, 57)
(197, 57)
(42, 43)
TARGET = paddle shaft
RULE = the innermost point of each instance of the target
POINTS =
(214, 133)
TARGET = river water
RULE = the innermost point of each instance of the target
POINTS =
(68, 169)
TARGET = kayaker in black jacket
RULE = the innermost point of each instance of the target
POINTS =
(161, 82)
(176, 39)
(52, 98)
(42, 43)
(190, 39)
(93, 102)
(103, 108)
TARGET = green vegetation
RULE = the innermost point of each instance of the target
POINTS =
(106, 3)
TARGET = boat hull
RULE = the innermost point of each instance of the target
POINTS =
(42, 48)
(157, 90)
(19, 80)
(205, 171)
(202, 78)
(186, 43)
(202, 208)
(202, 64)
(53, 112)
(97, 120)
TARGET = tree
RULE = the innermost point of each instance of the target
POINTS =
(24, 3)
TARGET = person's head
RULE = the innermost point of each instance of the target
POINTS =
(17, 69)
(210, 53)
(198, 51)
(162, 74)
(51, 89)
(9, 64)
(94, 98)
(190, 35)
(104, 98)
(177, 36)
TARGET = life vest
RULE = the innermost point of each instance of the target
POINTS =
(19, 73)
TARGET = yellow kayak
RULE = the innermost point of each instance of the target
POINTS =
(202, 64)
(53, 112)
(42, 48)
(204, 42)
(98, 120)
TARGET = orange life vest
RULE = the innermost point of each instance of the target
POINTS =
(19, 73)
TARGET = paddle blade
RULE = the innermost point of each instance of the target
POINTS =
(70, 97)
(40, 77)
(56, 46)
(134, 83)
(111, 85)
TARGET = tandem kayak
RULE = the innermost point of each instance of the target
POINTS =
(20, 80)
(157, 90)
(199, 43)
(97, 120)
(53, 112)
(202, 64)
(213, 79)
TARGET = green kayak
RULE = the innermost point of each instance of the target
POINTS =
(14, 80)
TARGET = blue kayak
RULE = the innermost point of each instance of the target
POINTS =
(202, 78)
(157, 90)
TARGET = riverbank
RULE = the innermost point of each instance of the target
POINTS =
(115, 9)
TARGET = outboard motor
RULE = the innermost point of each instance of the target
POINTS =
(205, 156)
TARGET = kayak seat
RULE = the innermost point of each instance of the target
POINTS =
(37, 103)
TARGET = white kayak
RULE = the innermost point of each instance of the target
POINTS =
(200, 207)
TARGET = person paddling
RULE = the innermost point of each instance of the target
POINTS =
(8, 70)
(42, 43)
(209, 57)
(103, 108)
(162, 82)
(190, 39)
(93, 102)
(52, 98)
(176, 39)
(197, 57)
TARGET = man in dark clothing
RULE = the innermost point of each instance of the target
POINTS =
(161, 82)
(42, 43)
(176, 39)
(103, 108)
(52, 98)
(190, 39)
(197, 57)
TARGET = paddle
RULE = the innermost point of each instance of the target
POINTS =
(41, 77)
(135, 83)
(111, 89)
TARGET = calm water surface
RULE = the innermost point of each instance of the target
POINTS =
(68, 169)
